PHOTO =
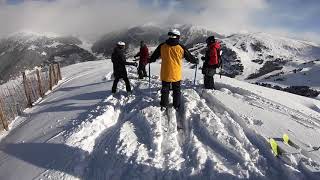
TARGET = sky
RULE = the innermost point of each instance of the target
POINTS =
(92, 18)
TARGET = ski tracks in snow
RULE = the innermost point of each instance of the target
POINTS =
(130, 138)
(266, 113)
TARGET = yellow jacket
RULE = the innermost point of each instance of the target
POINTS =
(171, 53)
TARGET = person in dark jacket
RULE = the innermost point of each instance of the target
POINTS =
(171, 52)
(212, 61)
(119, 67)
(144, 56)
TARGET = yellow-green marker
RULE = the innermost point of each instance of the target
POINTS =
(274, 147)
(286, 139)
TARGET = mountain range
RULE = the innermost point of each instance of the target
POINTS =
(25, 50)
(260, 58)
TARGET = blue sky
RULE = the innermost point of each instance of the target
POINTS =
(299, 15)
(286, 17)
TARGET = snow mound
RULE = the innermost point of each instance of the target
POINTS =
(224, 133)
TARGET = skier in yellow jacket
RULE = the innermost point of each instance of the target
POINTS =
(172, 53)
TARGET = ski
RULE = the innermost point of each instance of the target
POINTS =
(283, 148)
(286, 139)
(278, 147)
(281, 152)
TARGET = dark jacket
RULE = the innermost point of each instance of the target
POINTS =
(119, 63)
(172, 53)
(144, 55)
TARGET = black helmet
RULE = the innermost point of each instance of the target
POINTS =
(211, 39)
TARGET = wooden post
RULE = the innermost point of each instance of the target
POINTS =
(3, 118)
(40, 84)
(18, 105)
(31, 86)
(27, 89)
(59, 71)
(50, 77)
(54, 74)
(12, 105)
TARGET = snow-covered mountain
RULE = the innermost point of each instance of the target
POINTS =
(276, 60)
(152, 35)
(269, 60)
(25, 50)
(82, 131)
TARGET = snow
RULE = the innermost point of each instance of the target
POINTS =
(86, 45)
(54, 45)
(82, 131)
(296, 54)
(32, 35)
(33, 47)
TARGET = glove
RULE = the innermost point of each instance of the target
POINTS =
(196, 61)
(203, 58)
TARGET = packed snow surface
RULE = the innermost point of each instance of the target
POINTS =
(82, 131)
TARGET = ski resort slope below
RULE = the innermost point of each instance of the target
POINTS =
(82, 131)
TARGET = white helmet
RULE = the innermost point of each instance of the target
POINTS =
(174, 33)
(120, 43)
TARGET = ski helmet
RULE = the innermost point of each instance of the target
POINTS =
(211, 39)
(174, 33)
(120, 43)
(142, 43)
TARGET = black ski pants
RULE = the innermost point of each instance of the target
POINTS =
(165, 90)
(115, 84)
(142, 71)
(208, 82)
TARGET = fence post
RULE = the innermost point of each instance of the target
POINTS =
(54, 74)
(39, 83)
(59, 71)
(27, 90)
(2, 117)
(50, 77)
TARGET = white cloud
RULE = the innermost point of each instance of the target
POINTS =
(223, 16)
(82, 17)
(96, 17)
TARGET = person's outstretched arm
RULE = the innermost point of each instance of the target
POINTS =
(156, 54)
(137, 55)
(188, 56)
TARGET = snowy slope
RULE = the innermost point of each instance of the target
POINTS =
(276, 60)
(81, 131)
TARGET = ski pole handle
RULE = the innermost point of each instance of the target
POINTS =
(195, 75)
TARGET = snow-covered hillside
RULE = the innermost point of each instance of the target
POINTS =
(276, 60)
(81, 131)
(254, 57)
(25, 50)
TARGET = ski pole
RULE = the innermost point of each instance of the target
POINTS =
(150, 79)
(195, 72)
(221, 66)
(195, 75)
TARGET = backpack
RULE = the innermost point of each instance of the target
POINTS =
(214, 56)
